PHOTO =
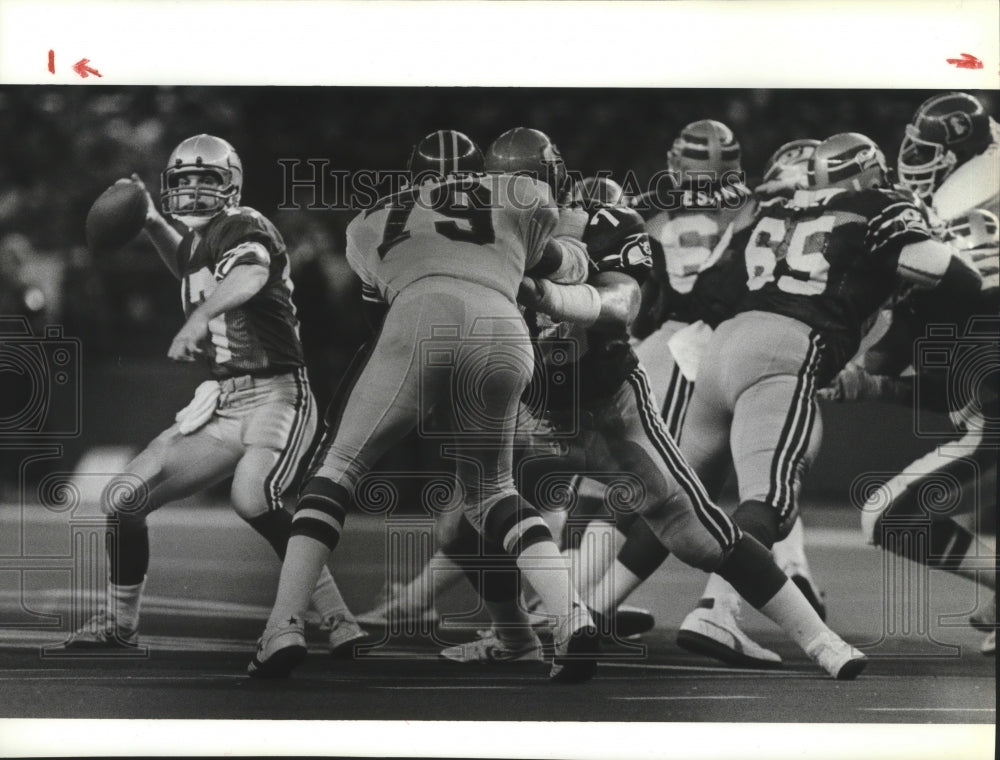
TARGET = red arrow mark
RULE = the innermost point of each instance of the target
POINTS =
(52, 61)
(81, 68)
(965, 62)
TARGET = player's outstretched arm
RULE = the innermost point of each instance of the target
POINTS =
(608, 302)
(164, 237)
(240, 285)
(564, 260)
(932, 264)
(553, 239)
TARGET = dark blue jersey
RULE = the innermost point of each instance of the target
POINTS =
(261, 336)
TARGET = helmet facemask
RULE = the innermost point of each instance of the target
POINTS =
(196, 204)
(975, 230)
(923, 165)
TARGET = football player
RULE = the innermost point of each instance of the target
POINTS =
(254, 420)
(949, 154)
(445, 256)
(966, 466)
(618, 431)
(414, 601)
(711, 298)
(786, 172)
(817, 267)
(703, 157)
(948, 158)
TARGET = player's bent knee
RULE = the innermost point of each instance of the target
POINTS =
(643, 550)
(248, 498)
(462, 540)
(762, 521)
(127, 495)
(697, 549)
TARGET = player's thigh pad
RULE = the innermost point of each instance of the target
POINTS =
(654, 354)
(707, 422)
(278, 420)
(383, 404)
(673, 499)
(776, 428)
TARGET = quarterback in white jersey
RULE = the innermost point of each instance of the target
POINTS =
(446, 255)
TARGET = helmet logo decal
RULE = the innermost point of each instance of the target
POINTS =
(636, 251)
(958, 126)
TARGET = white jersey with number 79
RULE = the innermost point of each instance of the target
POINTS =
(483, 228)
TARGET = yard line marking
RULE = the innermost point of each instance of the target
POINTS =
(218, 515)
(709, 668)
(36, 638)
(648, 699)
(449, 688)
(156, 604)
(120, 677)
(928, 709)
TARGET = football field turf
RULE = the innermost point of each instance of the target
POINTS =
(212, 580)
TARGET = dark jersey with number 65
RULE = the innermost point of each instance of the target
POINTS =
(486, 229)
(828, 258)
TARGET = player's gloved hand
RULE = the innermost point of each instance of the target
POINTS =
(854, 383)
(186, 346)
(200, 410)
(151, 213)
(530, 293)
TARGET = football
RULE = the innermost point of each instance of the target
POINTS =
(116, 217)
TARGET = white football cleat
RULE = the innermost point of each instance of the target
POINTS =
(103, 632)
(344, 634)
(279, 650)
(836, 656)
(713, 629)
(577, 645)
(490, 649)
